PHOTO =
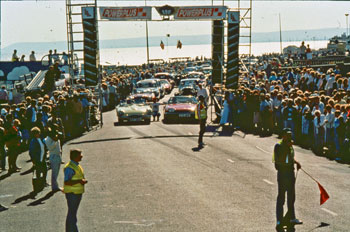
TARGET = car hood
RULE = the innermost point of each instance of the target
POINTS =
(145, 90)
(182, 106)
(135, 108)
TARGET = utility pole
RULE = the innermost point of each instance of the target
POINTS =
(347, 24)
(0, 30)
(147, 44)
(280, 32)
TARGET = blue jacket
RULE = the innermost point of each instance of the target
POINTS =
(35, 150)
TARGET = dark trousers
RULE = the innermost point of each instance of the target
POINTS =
(12, 153)
(286, 183)
(2, 157)
(202, 123)
(73, 201)
(41, 170)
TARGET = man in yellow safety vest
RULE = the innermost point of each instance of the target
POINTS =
(74, 182)
(284, 161)
(201, 115)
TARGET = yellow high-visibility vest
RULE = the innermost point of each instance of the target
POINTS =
(286, 161)
(200, 113)
(79, 175)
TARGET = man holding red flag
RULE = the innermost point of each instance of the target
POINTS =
(284, 163)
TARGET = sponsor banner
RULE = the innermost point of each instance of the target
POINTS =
(200, 13)
(126, 13)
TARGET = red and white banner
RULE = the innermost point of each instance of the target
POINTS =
(200, 13)
(126, 13)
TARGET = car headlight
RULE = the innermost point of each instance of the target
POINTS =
(121, 113)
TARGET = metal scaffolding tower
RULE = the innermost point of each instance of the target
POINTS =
(245, 26)
(75, 31)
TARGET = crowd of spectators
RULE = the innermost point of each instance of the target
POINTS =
(313, 104)
(67, 112)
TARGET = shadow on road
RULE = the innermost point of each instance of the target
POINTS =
(322, 224)
(30, 195)
(3, 177)
(142, 137)
(100, 140)
(130, 124)
(41, 200)
(27, 172)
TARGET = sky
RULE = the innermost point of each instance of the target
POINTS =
(45, 21)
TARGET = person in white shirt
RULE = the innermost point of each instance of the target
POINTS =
(319, 121)
(329, 124)
(203, 92)
(330, 82)
(53, 145)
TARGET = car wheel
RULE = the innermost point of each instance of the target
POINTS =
(148, 121)
(120, 122)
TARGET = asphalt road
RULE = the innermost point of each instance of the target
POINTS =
(149, 178)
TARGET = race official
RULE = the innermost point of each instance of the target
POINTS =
(284, 163)
(74, 182)
(201, 115)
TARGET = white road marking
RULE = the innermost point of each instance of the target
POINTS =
(230, 160)
(330, 212)
(267, 181)
(126, 222)
(262, 150)
(7, 195)
(190, 133)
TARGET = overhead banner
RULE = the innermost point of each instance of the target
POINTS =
(126, 13)
(200, 13)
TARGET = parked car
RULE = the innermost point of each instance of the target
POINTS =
(180, 109)
(134, 110)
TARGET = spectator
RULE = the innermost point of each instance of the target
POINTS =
(52, 143)
(37, 154)
(15, 56)
(3, 95)
(32, 57)
(2, 147)
(49, 81)
(12, 142)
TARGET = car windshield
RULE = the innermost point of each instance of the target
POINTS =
(139, 100)
(164, 82)
(184, 83)
(182, 99)
(146, 85)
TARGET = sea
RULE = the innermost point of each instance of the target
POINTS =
(137, 56)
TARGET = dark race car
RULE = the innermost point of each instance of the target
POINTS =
(180, 109)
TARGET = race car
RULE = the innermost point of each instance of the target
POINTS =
(180, 109)
(134, 110)
(147, 96)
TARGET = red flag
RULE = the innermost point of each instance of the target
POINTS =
(323, 194)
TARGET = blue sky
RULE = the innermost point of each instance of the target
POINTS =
(40, 21)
